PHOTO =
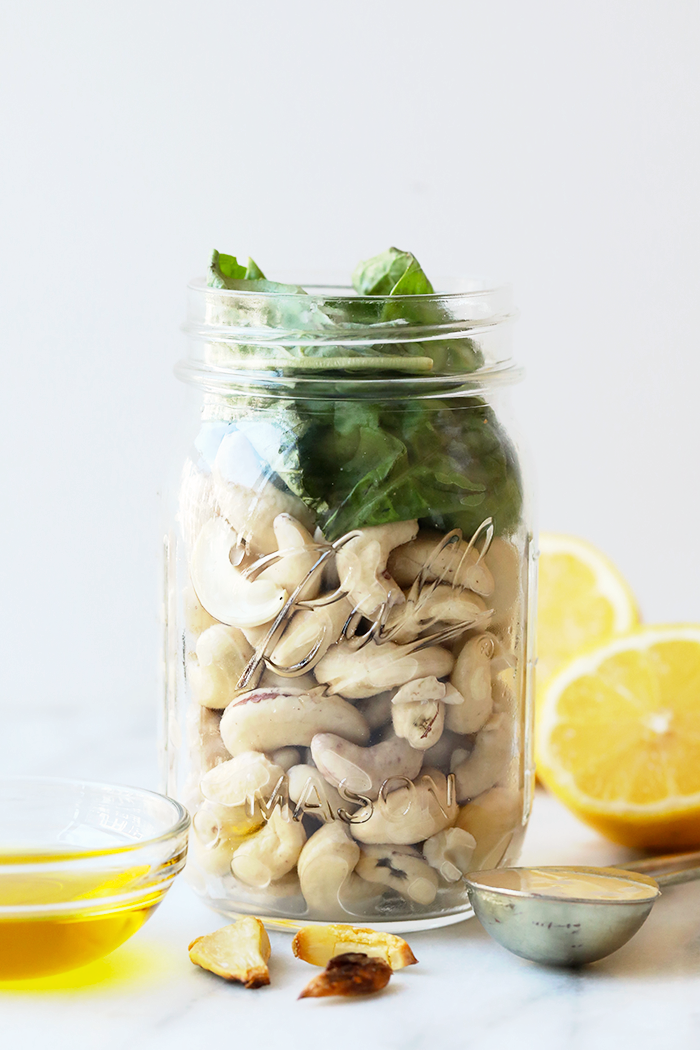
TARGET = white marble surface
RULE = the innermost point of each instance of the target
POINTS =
(466, 991)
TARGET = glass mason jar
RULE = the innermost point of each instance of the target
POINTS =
(349, 604)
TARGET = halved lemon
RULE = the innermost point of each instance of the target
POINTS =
(582, 601)
(618, 737)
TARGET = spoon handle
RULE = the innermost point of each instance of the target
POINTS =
(668, 870)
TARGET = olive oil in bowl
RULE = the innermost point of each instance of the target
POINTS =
(82, 867)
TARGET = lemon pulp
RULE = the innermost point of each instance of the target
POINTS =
(619, 737)
(583, 601)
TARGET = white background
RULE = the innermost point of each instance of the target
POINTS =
(553, 143)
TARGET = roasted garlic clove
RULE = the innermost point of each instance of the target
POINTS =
(319, 944)
(351, 974)
(238, 952)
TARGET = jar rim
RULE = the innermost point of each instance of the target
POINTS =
(272, 383)
(327, 330)
(470, 287)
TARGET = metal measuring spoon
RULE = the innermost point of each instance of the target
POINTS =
(568, 916)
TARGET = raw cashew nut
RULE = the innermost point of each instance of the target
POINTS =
(419, 690)
(452, 696)
(417, 712)
(235, 788)
(443, 604)
(356, 673)
(255, 635)
(286, 757)
(297, 557)
(508, 567)
(362, 770)
(410, 814)
(503, 659)
(251, 509)
(493, 819)
(471, 677)
(302, 683)
(271, 853)
(311, 631)
(492, 751)
(420, 723)
(206, 747)
(455, 563)
(361, 565)
(222, 656)
(197, 619)
(286, 887)
(213, 841)
(400, 867)
(197, 502)
(326, 868)
(312, 794)
(222, 588)
(450, 852)
(265, 719)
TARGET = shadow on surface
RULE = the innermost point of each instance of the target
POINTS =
(667, 946)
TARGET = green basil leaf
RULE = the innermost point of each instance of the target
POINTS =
(396, 273)
(412, 281)
(225, 271)
(253, 271)
(378, 275)
(393, 272)
(447, 464)
(357, 463)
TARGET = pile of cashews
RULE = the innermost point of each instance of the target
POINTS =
(353, 722)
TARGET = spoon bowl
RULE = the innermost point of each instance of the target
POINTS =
(561, 916)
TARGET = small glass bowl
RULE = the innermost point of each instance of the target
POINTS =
(82, 866)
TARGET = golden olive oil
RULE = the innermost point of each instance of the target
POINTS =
(55, 927)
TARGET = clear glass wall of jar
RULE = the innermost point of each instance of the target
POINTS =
(349, 596)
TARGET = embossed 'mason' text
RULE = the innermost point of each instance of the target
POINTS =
(312, 802)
